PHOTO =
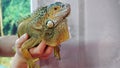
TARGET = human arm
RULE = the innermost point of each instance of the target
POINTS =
(6, 44)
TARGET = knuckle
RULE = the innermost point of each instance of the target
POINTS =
(39, 52)
(48, 52)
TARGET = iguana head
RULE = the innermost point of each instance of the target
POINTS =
(57, 12)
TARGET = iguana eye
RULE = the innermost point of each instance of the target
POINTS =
(55, 8)
(50, 24)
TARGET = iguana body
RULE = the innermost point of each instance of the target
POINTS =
(47, 23)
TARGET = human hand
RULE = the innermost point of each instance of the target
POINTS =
(42, 51)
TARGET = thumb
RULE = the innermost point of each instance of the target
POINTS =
(21, 40)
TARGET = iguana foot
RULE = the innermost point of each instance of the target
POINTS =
(57, 52)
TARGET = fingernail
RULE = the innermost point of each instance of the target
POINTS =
(24, 35)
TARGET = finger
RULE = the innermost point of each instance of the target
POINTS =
(39, 50)
(48, 51)
(44, 57)
(47, 54)
(21, 40)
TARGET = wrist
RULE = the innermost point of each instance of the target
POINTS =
(18, 62)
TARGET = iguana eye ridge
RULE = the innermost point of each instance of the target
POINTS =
(50, 24)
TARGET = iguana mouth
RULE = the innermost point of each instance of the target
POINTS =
(67, 10)
(66, 15)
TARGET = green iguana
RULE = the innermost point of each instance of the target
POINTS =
(47, 23)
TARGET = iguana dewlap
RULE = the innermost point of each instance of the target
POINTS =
(47, 23)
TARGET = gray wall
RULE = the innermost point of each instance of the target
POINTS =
(102, 33)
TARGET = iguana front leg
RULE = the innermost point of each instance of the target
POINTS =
(25, 51)
(57, 52)
(25, 47)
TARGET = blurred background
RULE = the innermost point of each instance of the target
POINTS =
(10, 12)
(102, 30)
(94, 27)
